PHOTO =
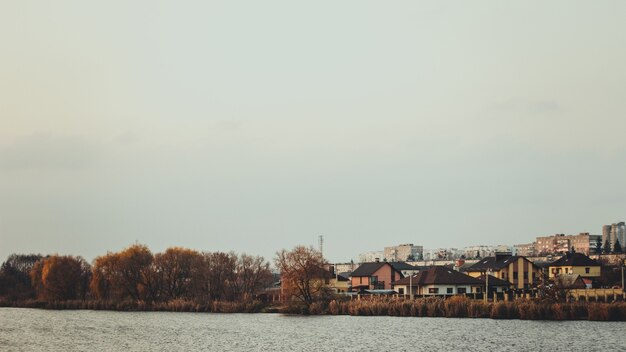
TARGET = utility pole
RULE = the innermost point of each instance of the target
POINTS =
(411, 284)
(623, 264)
(487, 285)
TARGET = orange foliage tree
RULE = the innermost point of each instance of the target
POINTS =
(302, 273)
(128, 274)
(61, 278)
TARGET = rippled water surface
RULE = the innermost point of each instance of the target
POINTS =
(45, 330)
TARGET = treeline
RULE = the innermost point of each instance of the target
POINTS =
(135, 274)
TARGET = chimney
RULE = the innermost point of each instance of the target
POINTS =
(502, 255)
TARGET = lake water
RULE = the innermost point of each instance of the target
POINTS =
(83, 330)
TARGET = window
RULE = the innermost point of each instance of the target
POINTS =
(525, 275)
(401, 291)
(502, 275)
(449, 290)
(586, 270)
(461, 290)
(361, 280)
(374, 280)
(566, 269)
(515, 275)
(433, 290)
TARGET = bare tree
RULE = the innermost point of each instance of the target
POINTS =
(175, 269)
(252, 274)
(15, 282)
(302, 273)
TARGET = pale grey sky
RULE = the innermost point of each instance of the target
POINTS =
(255, 126)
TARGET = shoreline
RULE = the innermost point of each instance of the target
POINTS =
(456, 307)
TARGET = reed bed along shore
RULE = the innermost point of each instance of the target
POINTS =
(462, 307)
(455, 307)
(131, 306)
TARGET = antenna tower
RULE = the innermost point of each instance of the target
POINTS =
(321, 239)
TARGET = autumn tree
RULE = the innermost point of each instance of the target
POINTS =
(15, 282)
(302, 273)
(128, 274)
(60, 277)
(103, 283)
(175, 269)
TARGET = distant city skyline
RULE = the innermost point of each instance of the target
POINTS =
(254, 127)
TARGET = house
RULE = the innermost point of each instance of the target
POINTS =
(570, 281)
(495, 284)
(340, 283)
(519, 271)
(438, 280)
(575, 263)
(405, 268)
(374, 276)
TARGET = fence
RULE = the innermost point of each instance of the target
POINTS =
(587, 295)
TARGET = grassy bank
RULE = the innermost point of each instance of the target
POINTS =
(461, 307)
(456, 307)
(130, 306)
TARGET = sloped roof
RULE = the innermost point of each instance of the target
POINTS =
(402, 266)
(346, 275)
(575, 259)
(367, 269)
(439, 275)
(571, 281)
(493, 264)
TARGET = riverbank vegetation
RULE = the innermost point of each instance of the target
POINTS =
(136, 279)
(463, 307)
(250, 306)
(184, 280)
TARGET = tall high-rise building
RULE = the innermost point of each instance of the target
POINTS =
(371, 256)
(525, 250)
(606, 234)
(483, 251)
(613, 233)
(403, 252)
(560, 243)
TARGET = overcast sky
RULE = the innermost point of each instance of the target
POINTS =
(256, 126)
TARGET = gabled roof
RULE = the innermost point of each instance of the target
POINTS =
(439, 275)
(571, 281)
(367, 269)
(345, 274)
(402, 266)
(495, 263)
(575, 259)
